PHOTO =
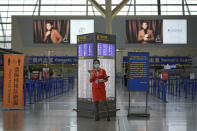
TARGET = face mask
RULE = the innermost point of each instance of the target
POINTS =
(96, 66)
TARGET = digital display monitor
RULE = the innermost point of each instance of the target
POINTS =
(167, 67)
(79, 27)
(166, 31)
(173, 66)
(144, 31)
(175, 31)
(85, 50)
(51, 31)
(105, 49)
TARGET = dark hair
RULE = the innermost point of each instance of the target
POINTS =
(145, 22)
(142, 25)
(96, 60)
(49, 22)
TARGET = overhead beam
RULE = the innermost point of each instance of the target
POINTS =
(119, 7)
(6, 51)
(159, 7)
(129, 8)
(93, 9)
(183, 9)
(39, 7)
(134, 7)
(90, 5)
(3, 31)
(98, 7)
(108, 18)
(35, 7)
(189, 12)
(86, 7)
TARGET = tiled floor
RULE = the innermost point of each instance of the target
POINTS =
(56, 114)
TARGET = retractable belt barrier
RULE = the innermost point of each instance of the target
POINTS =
(38, 90)
(175, 87)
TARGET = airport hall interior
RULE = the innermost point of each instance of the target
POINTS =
(98, 65)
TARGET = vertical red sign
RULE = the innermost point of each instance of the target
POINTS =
(164, 76)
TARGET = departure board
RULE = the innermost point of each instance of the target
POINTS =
(105, 49)
(85, 50)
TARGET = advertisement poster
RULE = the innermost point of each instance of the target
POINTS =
(175, 31)
(79, 27)
(166, 31)
(13, 81)
(144, 31)
(51, 31)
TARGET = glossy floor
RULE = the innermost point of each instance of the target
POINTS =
(56, 114)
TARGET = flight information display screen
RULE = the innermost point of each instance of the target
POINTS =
(85, 50)
(105, 49)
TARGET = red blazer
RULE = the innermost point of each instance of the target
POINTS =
(56, 38)
(141, 36)
(102, 74)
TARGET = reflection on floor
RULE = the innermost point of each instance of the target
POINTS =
(56, 114)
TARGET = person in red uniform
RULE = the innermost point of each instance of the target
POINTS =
(98, 78)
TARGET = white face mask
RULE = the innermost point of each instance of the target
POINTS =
(96, 66)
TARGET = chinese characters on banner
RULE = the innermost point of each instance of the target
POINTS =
(13, 81)
(164, 76)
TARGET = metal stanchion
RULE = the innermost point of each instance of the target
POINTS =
(164, 91)
(158, 88)
(154, 87)
(24, 92)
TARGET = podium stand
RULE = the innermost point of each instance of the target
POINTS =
(102, 47)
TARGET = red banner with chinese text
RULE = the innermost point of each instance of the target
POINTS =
(164, 76)
(13, 81)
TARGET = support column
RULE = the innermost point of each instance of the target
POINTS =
(108, 17)
(86, 7)
(107, 13)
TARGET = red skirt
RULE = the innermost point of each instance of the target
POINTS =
(99, 94)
